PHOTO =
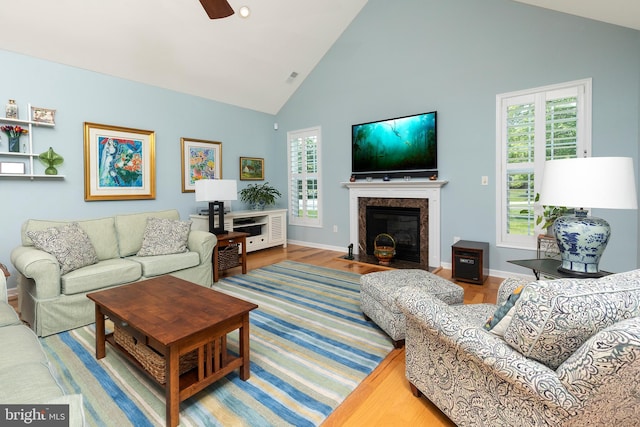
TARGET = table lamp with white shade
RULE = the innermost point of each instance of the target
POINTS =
(216, 191)
(584, 183)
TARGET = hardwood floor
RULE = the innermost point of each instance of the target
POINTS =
(384, 397)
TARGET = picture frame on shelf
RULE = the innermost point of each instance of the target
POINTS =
(43, 115)
(12, 168)
(251, 168)
(200, 159)
(119, 163)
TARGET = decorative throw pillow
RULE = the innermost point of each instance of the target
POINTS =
(69, 244)
(498, 323)
(164, 236)
(554, 318)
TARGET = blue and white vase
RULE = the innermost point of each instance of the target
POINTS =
(581, 241)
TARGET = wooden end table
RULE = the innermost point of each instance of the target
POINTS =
(224, 240)
(4, 270)
(175, 317)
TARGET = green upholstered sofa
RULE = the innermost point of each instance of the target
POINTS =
(53, 302)
(25, 373)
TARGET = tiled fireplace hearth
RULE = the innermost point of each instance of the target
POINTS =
(421, 194)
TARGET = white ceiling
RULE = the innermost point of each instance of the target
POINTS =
(174, 45)
(625, 13)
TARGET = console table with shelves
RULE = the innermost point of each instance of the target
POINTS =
(266, 228)
(27, 151)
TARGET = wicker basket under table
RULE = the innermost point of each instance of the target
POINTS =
(228, 257)
(152, 361)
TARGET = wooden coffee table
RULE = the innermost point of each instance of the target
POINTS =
(175, 317)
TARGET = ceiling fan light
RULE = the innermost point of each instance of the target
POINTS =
(244, 11)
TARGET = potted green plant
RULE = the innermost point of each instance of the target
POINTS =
(549, 214)
(259, 195)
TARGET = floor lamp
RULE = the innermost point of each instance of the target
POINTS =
(590, 182)
(215, 191)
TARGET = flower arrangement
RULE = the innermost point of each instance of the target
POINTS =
(14, 131)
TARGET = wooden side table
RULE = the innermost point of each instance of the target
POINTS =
(224, 240)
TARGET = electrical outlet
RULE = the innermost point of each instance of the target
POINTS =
(335, 228)
(484, 180)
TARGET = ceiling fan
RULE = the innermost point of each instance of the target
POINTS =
(217, 8)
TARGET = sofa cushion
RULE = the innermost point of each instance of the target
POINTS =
(165, 264)
(164, 236)
(69, 244)
(130, 229)
(104, 274)
(554, 318)
(8, 316)
(499, 320)
(101, 232)
(19, 346)
(31, 382)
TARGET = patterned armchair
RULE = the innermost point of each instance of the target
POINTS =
(570, 355)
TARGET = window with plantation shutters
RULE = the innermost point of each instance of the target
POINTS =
(304, 177)
(534, 126)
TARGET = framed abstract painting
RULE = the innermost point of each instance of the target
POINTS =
(119, 163)
(200, 160)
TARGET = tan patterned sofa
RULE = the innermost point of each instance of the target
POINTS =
(569, 356)
(52, 286)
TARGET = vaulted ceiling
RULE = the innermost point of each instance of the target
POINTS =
(247, 62)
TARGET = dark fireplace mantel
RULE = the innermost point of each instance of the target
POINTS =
(412, 189)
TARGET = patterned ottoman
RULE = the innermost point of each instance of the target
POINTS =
(379, 292)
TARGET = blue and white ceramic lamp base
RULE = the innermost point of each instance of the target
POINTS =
(582, 241)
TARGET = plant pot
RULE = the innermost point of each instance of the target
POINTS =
(258, 206)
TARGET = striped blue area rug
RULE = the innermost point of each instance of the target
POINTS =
(310, 348)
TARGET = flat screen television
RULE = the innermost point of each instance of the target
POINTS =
(395, 148)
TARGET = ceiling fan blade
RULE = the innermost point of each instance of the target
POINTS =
(217, 8)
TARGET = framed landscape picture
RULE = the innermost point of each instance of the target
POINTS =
(119, 163)
(251, 168)
(200, 160)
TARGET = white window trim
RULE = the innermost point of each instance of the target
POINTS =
(584, 145)
(294, 220)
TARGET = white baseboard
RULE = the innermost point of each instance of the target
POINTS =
(499, 273)
(319, 246)
(445, 265)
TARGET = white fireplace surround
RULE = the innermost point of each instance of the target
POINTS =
(413, 189)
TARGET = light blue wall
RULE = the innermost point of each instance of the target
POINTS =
(454, 56)
(396, 58)
(80, 96)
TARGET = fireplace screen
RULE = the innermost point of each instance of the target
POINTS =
(403, 224)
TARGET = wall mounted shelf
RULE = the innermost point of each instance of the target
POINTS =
(27, 152)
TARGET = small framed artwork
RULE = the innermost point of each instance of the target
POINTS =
(201, 159)
(119, 163)
(11, 168)
(43, 115)
(251, 168)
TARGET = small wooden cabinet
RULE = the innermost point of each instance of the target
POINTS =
(266, 228)
(470, 261)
